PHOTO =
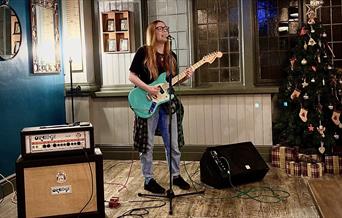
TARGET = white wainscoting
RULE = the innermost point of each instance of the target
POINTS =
(208, 119)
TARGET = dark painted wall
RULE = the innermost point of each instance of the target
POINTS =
(26, 99)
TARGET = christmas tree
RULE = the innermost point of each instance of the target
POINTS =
(311, 96)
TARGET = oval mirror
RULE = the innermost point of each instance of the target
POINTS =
(10, 32)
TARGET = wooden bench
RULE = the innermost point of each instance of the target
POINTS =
(327, 195)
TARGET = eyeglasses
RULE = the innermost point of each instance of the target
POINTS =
(162, 28)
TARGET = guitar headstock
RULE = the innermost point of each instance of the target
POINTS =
(210, 58)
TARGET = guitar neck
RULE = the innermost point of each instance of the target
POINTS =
(182, 75)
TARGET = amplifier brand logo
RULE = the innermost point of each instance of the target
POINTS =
(61, 177)
(58, 190)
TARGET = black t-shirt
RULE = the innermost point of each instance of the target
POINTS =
(140, 69)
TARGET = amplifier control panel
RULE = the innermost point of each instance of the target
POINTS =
(56, 138)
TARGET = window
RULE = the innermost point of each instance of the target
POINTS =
(331, 18)
(277, 24)
(217, 28)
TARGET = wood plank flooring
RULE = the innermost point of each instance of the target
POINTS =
(327, 196)
(214, 203)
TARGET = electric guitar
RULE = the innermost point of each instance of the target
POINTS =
(145, 105)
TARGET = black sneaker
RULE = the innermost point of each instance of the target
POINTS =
(154, 187)
(181, 183)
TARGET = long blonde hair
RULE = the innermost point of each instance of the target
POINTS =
(151, 58)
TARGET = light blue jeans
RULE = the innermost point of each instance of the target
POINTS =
(161, 119)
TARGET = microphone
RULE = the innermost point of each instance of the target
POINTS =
(169, 37)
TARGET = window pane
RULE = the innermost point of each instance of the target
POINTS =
(235, 74)
(337, 32)
(336, 15)
(217, 28)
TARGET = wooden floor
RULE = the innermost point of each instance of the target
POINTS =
(214, 203)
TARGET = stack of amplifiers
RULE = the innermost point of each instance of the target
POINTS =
(56, 140)
(59, 172)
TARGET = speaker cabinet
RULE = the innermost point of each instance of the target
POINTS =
(242, 160)
(61, 186)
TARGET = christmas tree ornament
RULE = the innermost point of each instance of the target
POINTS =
(331, 107)
(292, 61)
(336, 117)
(303, 114)
(324, 34)
(322, 148)
(312, 9)
(305, 46)
(314, 68)
(329, 67)
(306, 97)
(311, 42)
(302, 31)
(336, 136)
(311, 128)
(312, 29)
(319, 43)
(321, 130)
(319, 58)
(285, 103)
(313, 80)
(340, 81)
(295, 94)
(305, 84)
(323, 82)
(304, 61)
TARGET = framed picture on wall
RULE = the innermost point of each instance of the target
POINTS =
(111, 45)
(110, 25)
(124, 24)
(123, 44)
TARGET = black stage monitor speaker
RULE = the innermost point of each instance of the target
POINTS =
(242, 161)
(61, 186)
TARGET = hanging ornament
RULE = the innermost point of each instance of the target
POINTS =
(311, 128)
(321, 130)
(336, 117)
(331, 107)
(312, 29)
(319, 43)
(323, 82)
(336, 136)
(302, 31)
(313, 80)
(322, 148)
(304, 61)
(340, 81)
(314, 68)
(312, 9)
(305, 84)
(325, 55)
(295, 94)
(324, 34)
(306, 97)
(285, 103)
(329, 67)
(303, 114)
(292, 61)
(312, 42)
(319, 58)
(305, 46)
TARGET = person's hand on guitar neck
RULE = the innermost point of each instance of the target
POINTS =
(189, 71)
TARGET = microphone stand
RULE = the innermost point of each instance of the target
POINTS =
(71, 92)
(169, 193)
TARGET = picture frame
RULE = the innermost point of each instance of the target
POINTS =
(111, 45)
(124, 24)
(16, 29)
(123, 44)
(110, 25)
(16, 47)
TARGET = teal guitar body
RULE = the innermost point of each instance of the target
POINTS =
(143, 104)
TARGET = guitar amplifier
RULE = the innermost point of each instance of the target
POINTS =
(61, 187)
(53, 140)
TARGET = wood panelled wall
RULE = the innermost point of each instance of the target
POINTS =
(115, 69)
(208, 120)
